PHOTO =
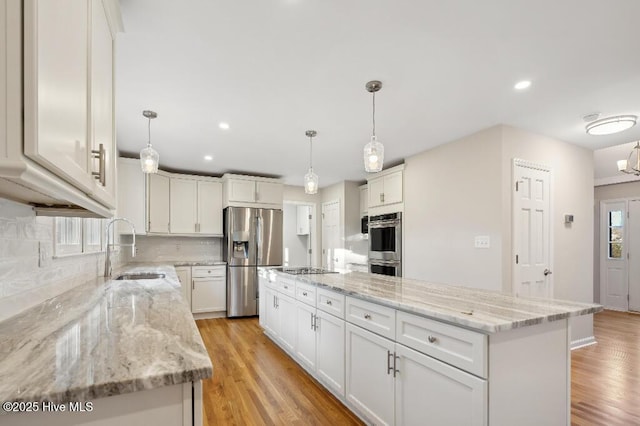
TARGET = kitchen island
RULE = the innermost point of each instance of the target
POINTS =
(401, 351)
(106, 352)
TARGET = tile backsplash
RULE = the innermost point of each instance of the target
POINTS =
(28, 273)
(169, 249)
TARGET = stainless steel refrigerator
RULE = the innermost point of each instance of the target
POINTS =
(252, 238)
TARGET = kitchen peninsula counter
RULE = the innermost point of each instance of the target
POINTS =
(103, 338)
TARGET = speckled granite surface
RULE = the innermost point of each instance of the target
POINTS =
(102, 338)
(197, 263)
(482, 310)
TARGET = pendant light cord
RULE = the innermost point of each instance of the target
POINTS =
(374, 114)
(310, 152)
(149, 142)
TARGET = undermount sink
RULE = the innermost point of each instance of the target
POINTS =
(141, 276)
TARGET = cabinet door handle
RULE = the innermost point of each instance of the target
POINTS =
(315, 322)
(312, 321)
(432, 339)
(367, 316)
(193, 285)
(100, 154)
(389, 367)
(395, 360)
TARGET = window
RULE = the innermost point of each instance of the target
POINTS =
(74, 235)
(615, 231)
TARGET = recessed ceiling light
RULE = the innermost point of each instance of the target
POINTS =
(521, 85)
(611, 125)
(208, 157)
(223, 125)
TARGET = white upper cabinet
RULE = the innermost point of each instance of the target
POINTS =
(269, 193)
(243, 191)
(183, 206)
(158, 204)
(102, 137)
(57, 37)
(60, 139)
(386, 192)
(209, 208)
(196, 206)
(250, 191)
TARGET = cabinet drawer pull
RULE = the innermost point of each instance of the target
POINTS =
(304, 293)
(286, 287)
(329, 302)
(367, 316)
(432, 339)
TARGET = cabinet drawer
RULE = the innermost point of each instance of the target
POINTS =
(371, 316)
(306, 293)
(457, 346)
(331, 302)
(287, 285)
(208, 271)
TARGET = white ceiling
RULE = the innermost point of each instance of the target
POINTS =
(275, 68)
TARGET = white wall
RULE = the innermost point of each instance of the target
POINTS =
(464, 188)
(453, 193)
(572, 186)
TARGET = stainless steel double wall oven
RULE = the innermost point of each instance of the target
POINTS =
(385, 244)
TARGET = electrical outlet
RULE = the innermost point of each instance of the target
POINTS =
(482, 241)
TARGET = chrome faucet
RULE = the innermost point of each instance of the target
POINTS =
(107, 258)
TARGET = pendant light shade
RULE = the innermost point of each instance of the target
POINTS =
(311, 179)
(149, 157)
(374, 150)
(628, 166)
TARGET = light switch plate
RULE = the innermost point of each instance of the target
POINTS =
(482, 241)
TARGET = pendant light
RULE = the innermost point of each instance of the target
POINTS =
(374, 150)
(311, 179)
(626, 166)
(148, 156)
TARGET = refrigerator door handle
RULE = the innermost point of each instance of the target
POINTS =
(259, 240)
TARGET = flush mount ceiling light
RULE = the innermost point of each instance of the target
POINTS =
(623, 165)
(223, 125)
(611, 125)
(149, 157)
(208, 157)
(521, 85)
(310, 179)
(374, 150)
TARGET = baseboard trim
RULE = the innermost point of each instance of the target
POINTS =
(581, 343)
(210, 315)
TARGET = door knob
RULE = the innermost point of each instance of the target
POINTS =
(547, 272)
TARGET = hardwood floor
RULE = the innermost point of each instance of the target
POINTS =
(605, 378)
(254, 382)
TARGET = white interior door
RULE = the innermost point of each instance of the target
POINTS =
(532, 231)
(331, 248)
(633, 233)
(614, 287)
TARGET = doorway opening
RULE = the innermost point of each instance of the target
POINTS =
(299, 233)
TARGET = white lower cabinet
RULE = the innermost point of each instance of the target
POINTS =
(330, 351)
(370, 381)
(430, 392)
(208, 289)
(306, 334)
(286, 308)
(271, 318)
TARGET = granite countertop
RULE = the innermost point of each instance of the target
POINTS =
(198, 263)
(103, 338)
(481, 310)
